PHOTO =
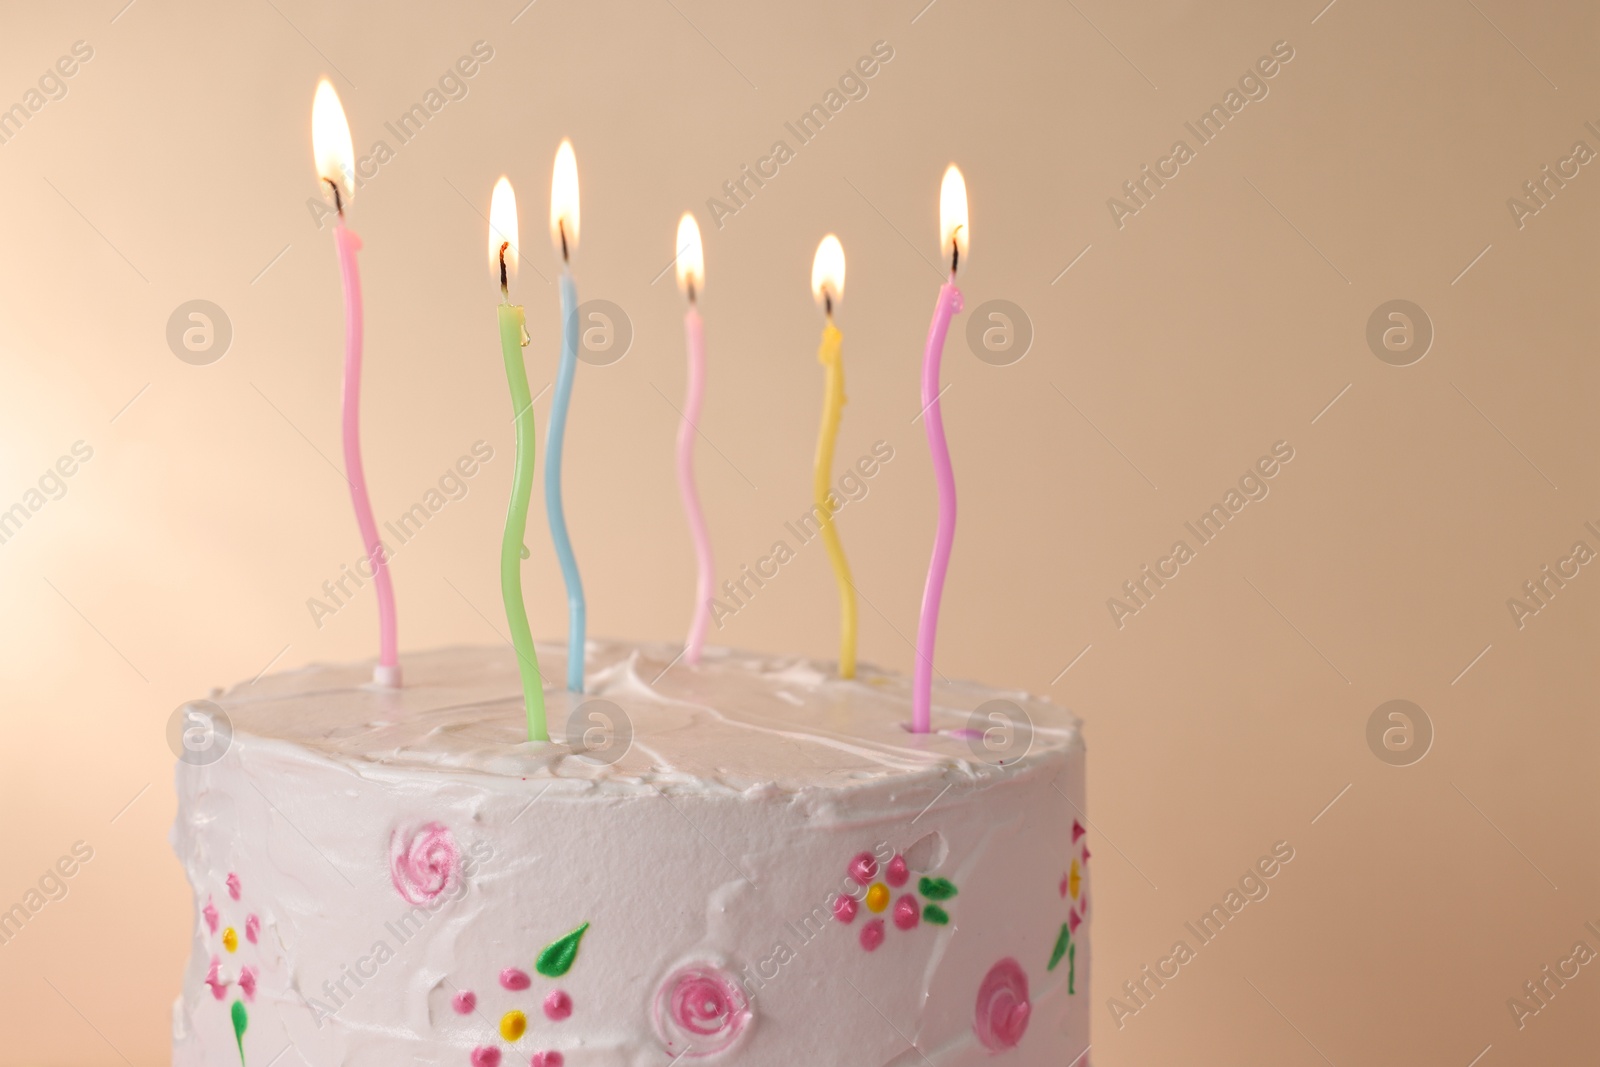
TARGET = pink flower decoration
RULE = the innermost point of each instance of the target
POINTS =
(898, 873)
(872, 935)
(700, 1011)
(557, 1006)
(214, 979)
(513, 979)
(464, 1002)
(1063, 887)
(907, 913)
(423, 864)
(247, 982)
(210, 913)
(485, 1056)
(844, 909)
(1073, 922)
(550, 1058)
(252, 929)
(863, 869)
(233, 886)
(1002, 1012)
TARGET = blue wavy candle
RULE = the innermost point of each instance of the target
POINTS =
(564, 231)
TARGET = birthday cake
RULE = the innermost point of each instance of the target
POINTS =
(744, 861)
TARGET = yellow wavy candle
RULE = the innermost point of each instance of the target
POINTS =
(832, 409)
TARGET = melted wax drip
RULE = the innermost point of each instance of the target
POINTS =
(556, 958)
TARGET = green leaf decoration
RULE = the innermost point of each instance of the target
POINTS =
(241, 1022)
(937, 888)
(1072, 968)
(557, 957)
(1060, 950)
(936, 915)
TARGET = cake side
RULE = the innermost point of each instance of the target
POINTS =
(774, 869)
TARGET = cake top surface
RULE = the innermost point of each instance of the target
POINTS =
(735, 722)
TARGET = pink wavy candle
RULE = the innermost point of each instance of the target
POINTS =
(349, 244)
(424, 863)
(694, 334)
(922, 680)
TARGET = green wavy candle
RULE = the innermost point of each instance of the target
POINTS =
(512, 334)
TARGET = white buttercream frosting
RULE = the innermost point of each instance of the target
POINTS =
(392, 849)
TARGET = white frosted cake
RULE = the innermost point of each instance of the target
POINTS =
(773, 871)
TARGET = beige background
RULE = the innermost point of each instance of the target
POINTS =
(1222, 318)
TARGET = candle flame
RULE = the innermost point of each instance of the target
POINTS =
(691, 256)
(330, 143)
(827, 272)
(953, 227)
(564, 201)
(503, 230)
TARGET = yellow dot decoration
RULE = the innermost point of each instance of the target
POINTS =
(1074, 879)
(878, 897)
(513, 1024)
(230, 940)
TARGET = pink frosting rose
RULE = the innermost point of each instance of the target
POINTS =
(423, 863)
(1002, 1012)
